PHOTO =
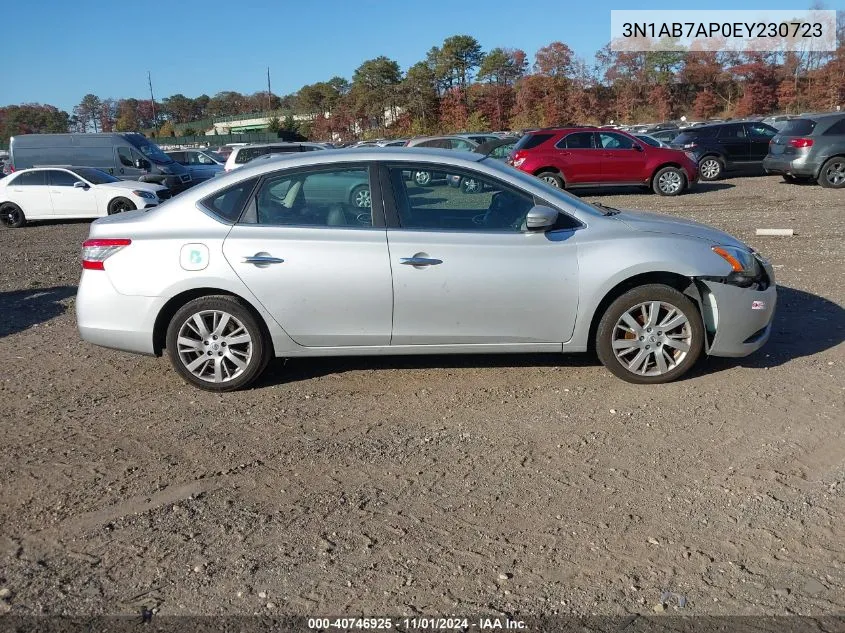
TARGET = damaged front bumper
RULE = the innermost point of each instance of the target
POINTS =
(738, 320)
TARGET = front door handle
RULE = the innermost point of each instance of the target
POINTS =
(421, 261)
(262, 259)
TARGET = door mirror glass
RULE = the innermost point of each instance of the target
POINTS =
(541, 218)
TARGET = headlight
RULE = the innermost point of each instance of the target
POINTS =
(145, 194)
(745, 268)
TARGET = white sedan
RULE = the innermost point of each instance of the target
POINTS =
(57, 193)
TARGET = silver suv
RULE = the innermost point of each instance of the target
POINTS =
(810, 148)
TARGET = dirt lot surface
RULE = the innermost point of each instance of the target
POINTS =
(440, 485)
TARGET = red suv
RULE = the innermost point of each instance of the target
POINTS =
(585, 156)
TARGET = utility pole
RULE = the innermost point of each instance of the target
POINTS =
(269, 94)
(152, 99)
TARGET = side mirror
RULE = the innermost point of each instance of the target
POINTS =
(80, 185)
(142, 164)
(637, 148)
(541, 218)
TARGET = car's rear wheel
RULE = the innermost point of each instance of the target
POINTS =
(669, 181)
(832, 173)
(651, 334)
(119, 205)
(11, 216)
(710, 168)
(360, 197)
(217, 344)
(552, 178)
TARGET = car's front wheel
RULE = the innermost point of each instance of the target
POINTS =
(669, 181)
(651, 334)
(119, 205)
(11, 215)
(216, 343)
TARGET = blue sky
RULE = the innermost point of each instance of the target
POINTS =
(56, 54)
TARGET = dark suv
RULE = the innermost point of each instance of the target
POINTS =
(810, 148)
(589, 157)
(726, 147)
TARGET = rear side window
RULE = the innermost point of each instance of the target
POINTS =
(285, 149)
(798, 127)
(578, 140)
(837, 129)
(228, 204)
(30, 179)
(248, 153)
(732, 132)
(701, 132)
(530, 141)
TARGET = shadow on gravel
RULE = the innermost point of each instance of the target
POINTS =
(21, 309)
(805, 324)
(598, 192)
(297, 369)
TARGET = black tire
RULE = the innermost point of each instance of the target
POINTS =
(713, 166)
(359, 196)
(471, 185)
(553, 178)
(669, 181)
(606, 334)
(258, 354)
(119, 205)
(832, 174)
(11, 216)
(790, 179)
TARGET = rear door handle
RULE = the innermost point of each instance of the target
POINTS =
(421, 261)
(262, 259)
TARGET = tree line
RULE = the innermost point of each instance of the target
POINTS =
(460, 87)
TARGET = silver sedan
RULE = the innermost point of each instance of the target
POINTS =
(274, 260)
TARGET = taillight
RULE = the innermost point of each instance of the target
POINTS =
(801, 142)
(690, 145)
(518, 158)
(96, 252)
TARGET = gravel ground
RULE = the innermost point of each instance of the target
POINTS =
(522, 485)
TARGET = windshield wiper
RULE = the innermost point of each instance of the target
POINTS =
(607, 210)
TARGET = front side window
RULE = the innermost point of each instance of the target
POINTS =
(610, 140)
(62, 178)
(125, 157)
(474, 203)
(461, 144)
(333, 198)
(198, 158)
(179, 157)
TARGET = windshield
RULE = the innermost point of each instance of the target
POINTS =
(150, 150)
(94, 176)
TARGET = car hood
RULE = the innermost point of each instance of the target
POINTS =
(134, 184)
(657, 223)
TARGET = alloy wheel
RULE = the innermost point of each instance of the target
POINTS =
(651, 339)
(835, 173)
(670, 182)
(710, 168)
(214, 346)
(552, 181)
(11, 216)
(362, 198)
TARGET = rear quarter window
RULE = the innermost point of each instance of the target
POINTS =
(798, 127)
(229, 203)
(837, 129)
(530, 141)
